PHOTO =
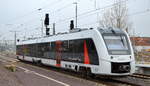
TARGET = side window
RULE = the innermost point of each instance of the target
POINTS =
(92, 52)
(39, 50)
(52, 50)
(65, 50)
(65, 47)
(19, 49)
(45, 49)
(25, 50)
(71, 50)
(76, 50)
(34, 50)
(71, 46)
(91, 45)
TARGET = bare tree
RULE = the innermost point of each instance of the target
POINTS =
(116, 16)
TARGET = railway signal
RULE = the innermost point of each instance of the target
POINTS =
(46, 22)
(47, 31)
(71, 25)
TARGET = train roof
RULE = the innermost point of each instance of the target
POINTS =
(111, 30)
(74, 34)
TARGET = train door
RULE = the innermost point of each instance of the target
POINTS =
(58, 53)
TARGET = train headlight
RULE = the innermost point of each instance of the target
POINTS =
(120, 67)
(111, 57)
(124, 67)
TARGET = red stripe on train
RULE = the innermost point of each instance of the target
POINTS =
(58, 65)
(58, 53)
(86, 54)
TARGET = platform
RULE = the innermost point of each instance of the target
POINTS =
(143, 68)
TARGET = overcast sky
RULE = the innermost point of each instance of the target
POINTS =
(24, 16)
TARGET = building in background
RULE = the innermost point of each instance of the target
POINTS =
(141, 43)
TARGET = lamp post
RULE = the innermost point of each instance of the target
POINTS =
(15, 38)
(95, 5)
(41, 22)
(76, 13)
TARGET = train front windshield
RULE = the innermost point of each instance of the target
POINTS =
(117, 44)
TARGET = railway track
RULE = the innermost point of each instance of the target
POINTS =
(110, 81)
(133, 80)
(6, 59)
(141, 76)
(105, 81)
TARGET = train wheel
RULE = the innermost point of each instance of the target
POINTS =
(85, 72)
(39, 63)
(89, 73)
(18, 58)
(33, 61)
(82, 71)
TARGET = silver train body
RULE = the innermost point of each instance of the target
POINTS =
(98, 51)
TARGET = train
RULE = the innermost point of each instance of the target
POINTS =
(98, 51)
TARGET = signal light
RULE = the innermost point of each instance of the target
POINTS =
(46, 22)
(71, 25)
(18, 40)
(47, 31)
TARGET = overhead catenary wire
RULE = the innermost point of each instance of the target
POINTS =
(64, 7)
(35, 10)
(140, 12)
(54, 11)
(85, 13)
(132, 14)
(88, 12)
(60, 9)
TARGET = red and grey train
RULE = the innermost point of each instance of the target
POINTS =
(98, 51)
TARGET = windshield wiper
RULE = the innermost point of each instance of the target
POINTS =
(113, 31)
(122, 41)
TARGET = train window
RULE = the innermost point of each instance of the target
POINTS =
(65, 50)
(116, 43)
(27, 50)
(70, 50)
(91, 45)
(75, 51)
(33, 50)
(52, 50)
(19, 50)
(76, 47)
(92, 52)
(65, 45)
